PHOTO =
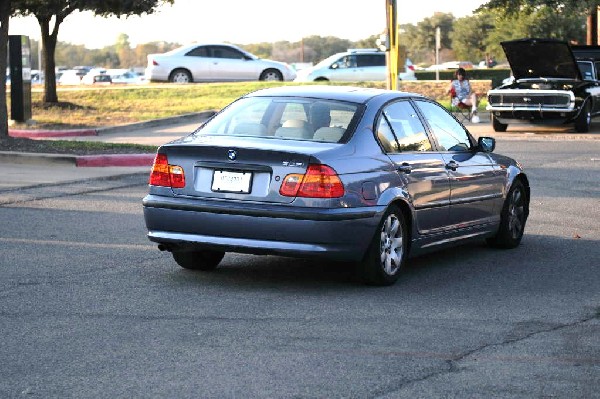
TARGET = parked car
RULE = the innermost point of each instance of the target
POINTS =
(345, 173)
(547, 88)
(450, 65)
(353, 66)
(97, 77)
(125, 76)
(213, 62)
(72, 76)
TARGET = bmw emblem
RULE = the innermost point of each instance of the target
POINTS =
(232, 155)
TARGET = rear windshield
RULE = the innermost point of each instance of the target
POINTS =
(284, 118)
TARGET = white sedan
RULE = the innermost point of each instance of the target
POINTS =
(213, 62)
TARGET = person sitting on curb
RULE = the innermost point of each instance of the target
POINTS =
(462, 89)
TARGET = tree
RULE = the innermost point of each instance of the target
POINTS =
(469, 37)
(5, 8)
(124, 52)
(543, 22)
(51, 13)
(566, 8)
(426, 32)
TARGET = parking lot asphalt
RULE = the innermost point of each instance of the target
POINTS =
(26, 170)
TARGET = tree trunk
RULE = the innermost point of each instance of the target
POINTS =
(592, 27)
(48, 51)
(4, 20)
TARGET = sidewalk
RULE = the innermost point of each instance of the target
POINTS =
(28, 170)
(21, 170)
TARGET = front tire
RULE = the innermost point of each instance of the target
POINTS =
(271, 75)
(198, 260)
(513, 218)
(498, 127)
(387, 253)
(584, 119)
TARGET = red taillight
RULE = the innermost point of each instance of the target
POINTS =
(166, 175)
(319, 181)
(411, 67)
(154, 63)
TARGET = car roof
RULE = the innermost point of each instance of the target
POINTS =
(341, 93)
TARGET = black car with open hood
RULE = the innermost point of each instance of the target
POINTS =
(550, 86)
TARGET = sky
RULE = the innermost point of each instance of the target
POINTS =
(244, 21)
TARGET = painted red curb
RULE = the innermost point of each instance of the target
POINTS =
(33, 134)
(115, 160)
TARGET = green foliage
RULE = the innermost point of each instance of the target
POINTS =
(51, 13)
(516, 7)
(470, 36)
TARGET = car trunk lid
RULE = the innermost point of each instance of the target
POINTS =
(239, 168)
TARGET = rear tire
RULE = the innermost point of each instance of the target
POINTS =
(512, 219)
(180, 76)
(584, 120)
(198, 260)
(498, 127)
(387, 253)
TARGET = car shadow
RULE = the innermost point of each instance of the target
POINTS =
(538, 258)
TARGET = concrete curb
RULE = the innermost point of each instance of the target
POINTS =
(157, 122)
(78, 160)
(115, 160)
(35, 134)
(102, 160)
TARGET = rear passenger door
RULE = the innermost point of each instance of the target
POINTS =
(371, 67)
(403, 138)
(198, 62)
(476, 186)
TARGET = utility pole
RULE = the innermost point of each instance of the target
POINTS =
(392, 44)
(438, 40)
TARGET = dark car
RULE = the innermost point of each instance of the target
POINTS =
(343, 173)
(550, 87)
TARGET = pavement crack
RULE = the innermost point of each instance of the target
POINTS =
(451, 365)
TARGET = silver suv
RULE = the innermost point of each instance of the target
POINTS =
(354, 65)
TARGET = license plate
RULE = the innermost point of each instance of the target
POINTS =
(231, 182)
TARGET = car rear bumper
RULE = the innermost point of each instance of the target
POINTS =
(342, 234)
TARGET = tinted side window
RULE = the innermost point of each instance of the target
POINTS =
(200, 51)
(408, 129)
(366, 60)
(226, 52)
(450, 135)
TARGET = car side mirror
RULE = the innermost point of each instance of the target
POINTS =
(486, 144)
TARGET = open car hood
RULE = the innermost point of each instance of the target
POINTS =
(541, 58)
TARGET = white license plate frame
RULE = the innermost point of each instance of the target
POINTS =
(228, 181)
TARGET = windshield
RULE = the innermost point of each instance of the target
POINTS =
(284, 118)
(328, 61)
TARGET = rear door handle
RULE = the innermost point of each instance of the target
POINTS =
(405, 168)
(452, 165)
